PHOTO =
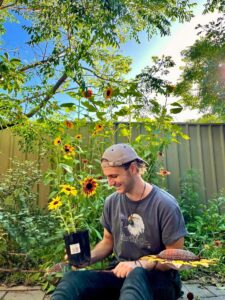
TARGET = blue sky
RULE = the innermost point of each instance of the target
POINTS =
(141, 53)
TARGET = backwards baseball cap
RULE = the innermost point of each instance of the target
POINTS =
(119, 154)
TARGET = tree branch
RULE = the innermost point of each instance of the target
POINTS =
(61, 80)
(6, 6)
(38, 63)
(100, 77)
(30, 114)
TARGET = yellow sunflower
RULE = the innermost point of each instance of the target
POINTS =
(108, 93)
(68, 189)
(69, 124)
(84, 161)
(89, 186)
(55, 203)
(94, 133)
(163, 172)
(57, 141)
(69, 149)
(87, 93)
(99, 127)
(78, 137)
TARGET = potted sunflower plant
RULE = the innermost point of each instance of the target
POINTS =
(71, 199)
(67, 206)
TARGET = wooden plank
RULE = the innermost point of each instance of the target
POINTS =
(216, 291)
(213, 298)
(2, 294)
(185, 290)
(19, 288)
(26, 295)
(198, 290)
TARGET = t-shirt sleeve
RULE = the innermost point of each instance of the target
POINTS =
(105, 217)
(173, 226)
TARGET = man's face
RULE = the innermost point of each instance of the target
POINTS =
(119, 178)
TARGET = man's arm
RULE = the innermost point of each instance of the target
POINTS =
(179, 244)
(103, 248)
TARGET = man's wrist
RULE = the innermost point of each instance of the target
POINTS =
(138, 263)
(147, 265)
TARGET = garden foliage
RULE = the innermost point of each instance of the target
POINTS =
(206, 225)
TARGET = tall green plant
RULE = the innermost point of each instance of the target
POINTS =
(189, 198)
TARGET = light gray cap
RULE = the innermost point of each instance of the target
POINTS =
(119, 154)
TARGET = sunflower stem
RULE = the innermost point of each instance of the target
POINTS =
(71, 215)
(62, 218)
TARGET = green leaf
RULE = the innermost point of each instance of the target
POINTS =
(184, 136)
(123, 112)
(69, 104)
(90, 107)
(176, 104)
(69, 169)
(100, 115)
(72, 94)
(125, 132)
(176, 110)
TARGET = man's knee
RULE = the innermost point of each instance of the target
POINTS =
(70, 286)
(138, 273)
(136, 286)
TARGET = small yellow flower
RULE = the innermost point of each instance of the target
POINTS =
(206, 247)
(68, 189)
(78, 137)
(57, 141)
(55, 203)
(89, 186)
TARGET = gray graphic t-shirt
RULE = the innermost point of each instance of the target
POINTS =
(143, 227)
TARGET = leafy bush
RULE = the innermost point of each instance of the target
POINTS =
(25, 228)
(206, 226)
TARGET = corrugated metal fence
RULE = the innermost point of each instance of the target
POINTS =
(204, 152)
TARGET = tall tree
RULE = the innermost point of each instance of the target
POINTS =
(72, 46)
(202, 84)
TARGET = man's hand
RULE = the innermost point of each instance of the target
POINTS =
(124, 268)
(74, 268)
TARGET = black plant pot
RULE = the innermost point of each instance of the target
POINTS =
(78, 248)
